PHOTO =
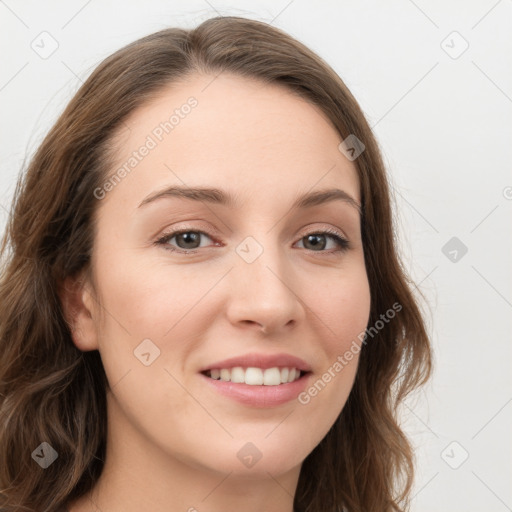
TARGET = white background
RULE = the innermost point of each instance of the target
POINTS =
(445, 128)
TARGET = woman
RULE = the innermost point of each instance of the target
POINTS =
(261, 369)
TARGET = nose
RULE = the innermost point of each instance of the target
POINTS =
(265, 294)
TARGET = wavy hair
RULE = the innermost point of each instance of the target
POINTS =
(51, 391)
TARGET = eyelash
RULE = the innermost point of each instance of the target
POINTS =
(342, 242)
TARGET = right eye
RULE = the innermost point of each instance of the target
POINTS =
(187, 237)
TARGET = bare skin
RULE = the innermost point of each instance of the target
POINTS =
(173, 439)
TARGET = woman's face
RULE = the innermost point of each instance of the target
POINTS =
(254, 290)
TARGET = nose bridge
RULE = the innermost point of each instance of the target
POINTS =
(262, 291)
(262, 259)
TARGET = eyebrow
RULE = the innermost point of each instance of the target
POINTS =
(218, 196)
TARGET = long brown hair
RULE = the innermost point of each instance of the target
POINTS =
(52, 392)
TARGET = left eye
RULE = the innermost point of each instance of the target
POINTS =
(187, 240)
(315, 239)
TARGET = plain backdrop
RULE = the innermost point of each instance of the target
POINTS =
(435, 82)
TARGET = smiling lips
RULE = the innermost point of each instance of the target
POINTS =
(258, 369)
(253, 376)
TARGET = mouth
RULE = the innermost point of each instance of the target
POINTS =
(253, 376)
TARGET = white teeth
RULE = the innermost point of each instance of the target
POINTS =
(272, 377)
(237, 374)
(256, 376)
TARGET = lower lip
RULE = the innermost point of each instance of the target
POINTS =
(260, 396)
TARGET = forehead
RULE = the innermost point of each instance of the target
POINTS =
(231, 132)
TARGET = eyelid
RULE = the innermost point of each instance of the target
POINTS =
(165, 237)
(343, 242)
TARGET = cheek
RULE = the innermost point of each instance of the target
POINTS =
(343, 307)
(162, 303)
(147, 300)
(343, 311)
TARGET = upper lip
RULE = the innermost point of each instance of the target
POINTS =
(262, 361)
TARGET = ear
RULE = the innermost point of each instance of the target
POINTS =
(78, 306)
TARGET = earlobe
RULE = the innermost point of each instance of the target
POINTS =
(78, 309)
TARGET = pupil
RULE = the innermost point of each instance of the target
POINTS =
(316, 237)
(189, 237)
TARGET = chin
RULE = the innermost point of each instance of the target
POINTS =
(254, 459)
